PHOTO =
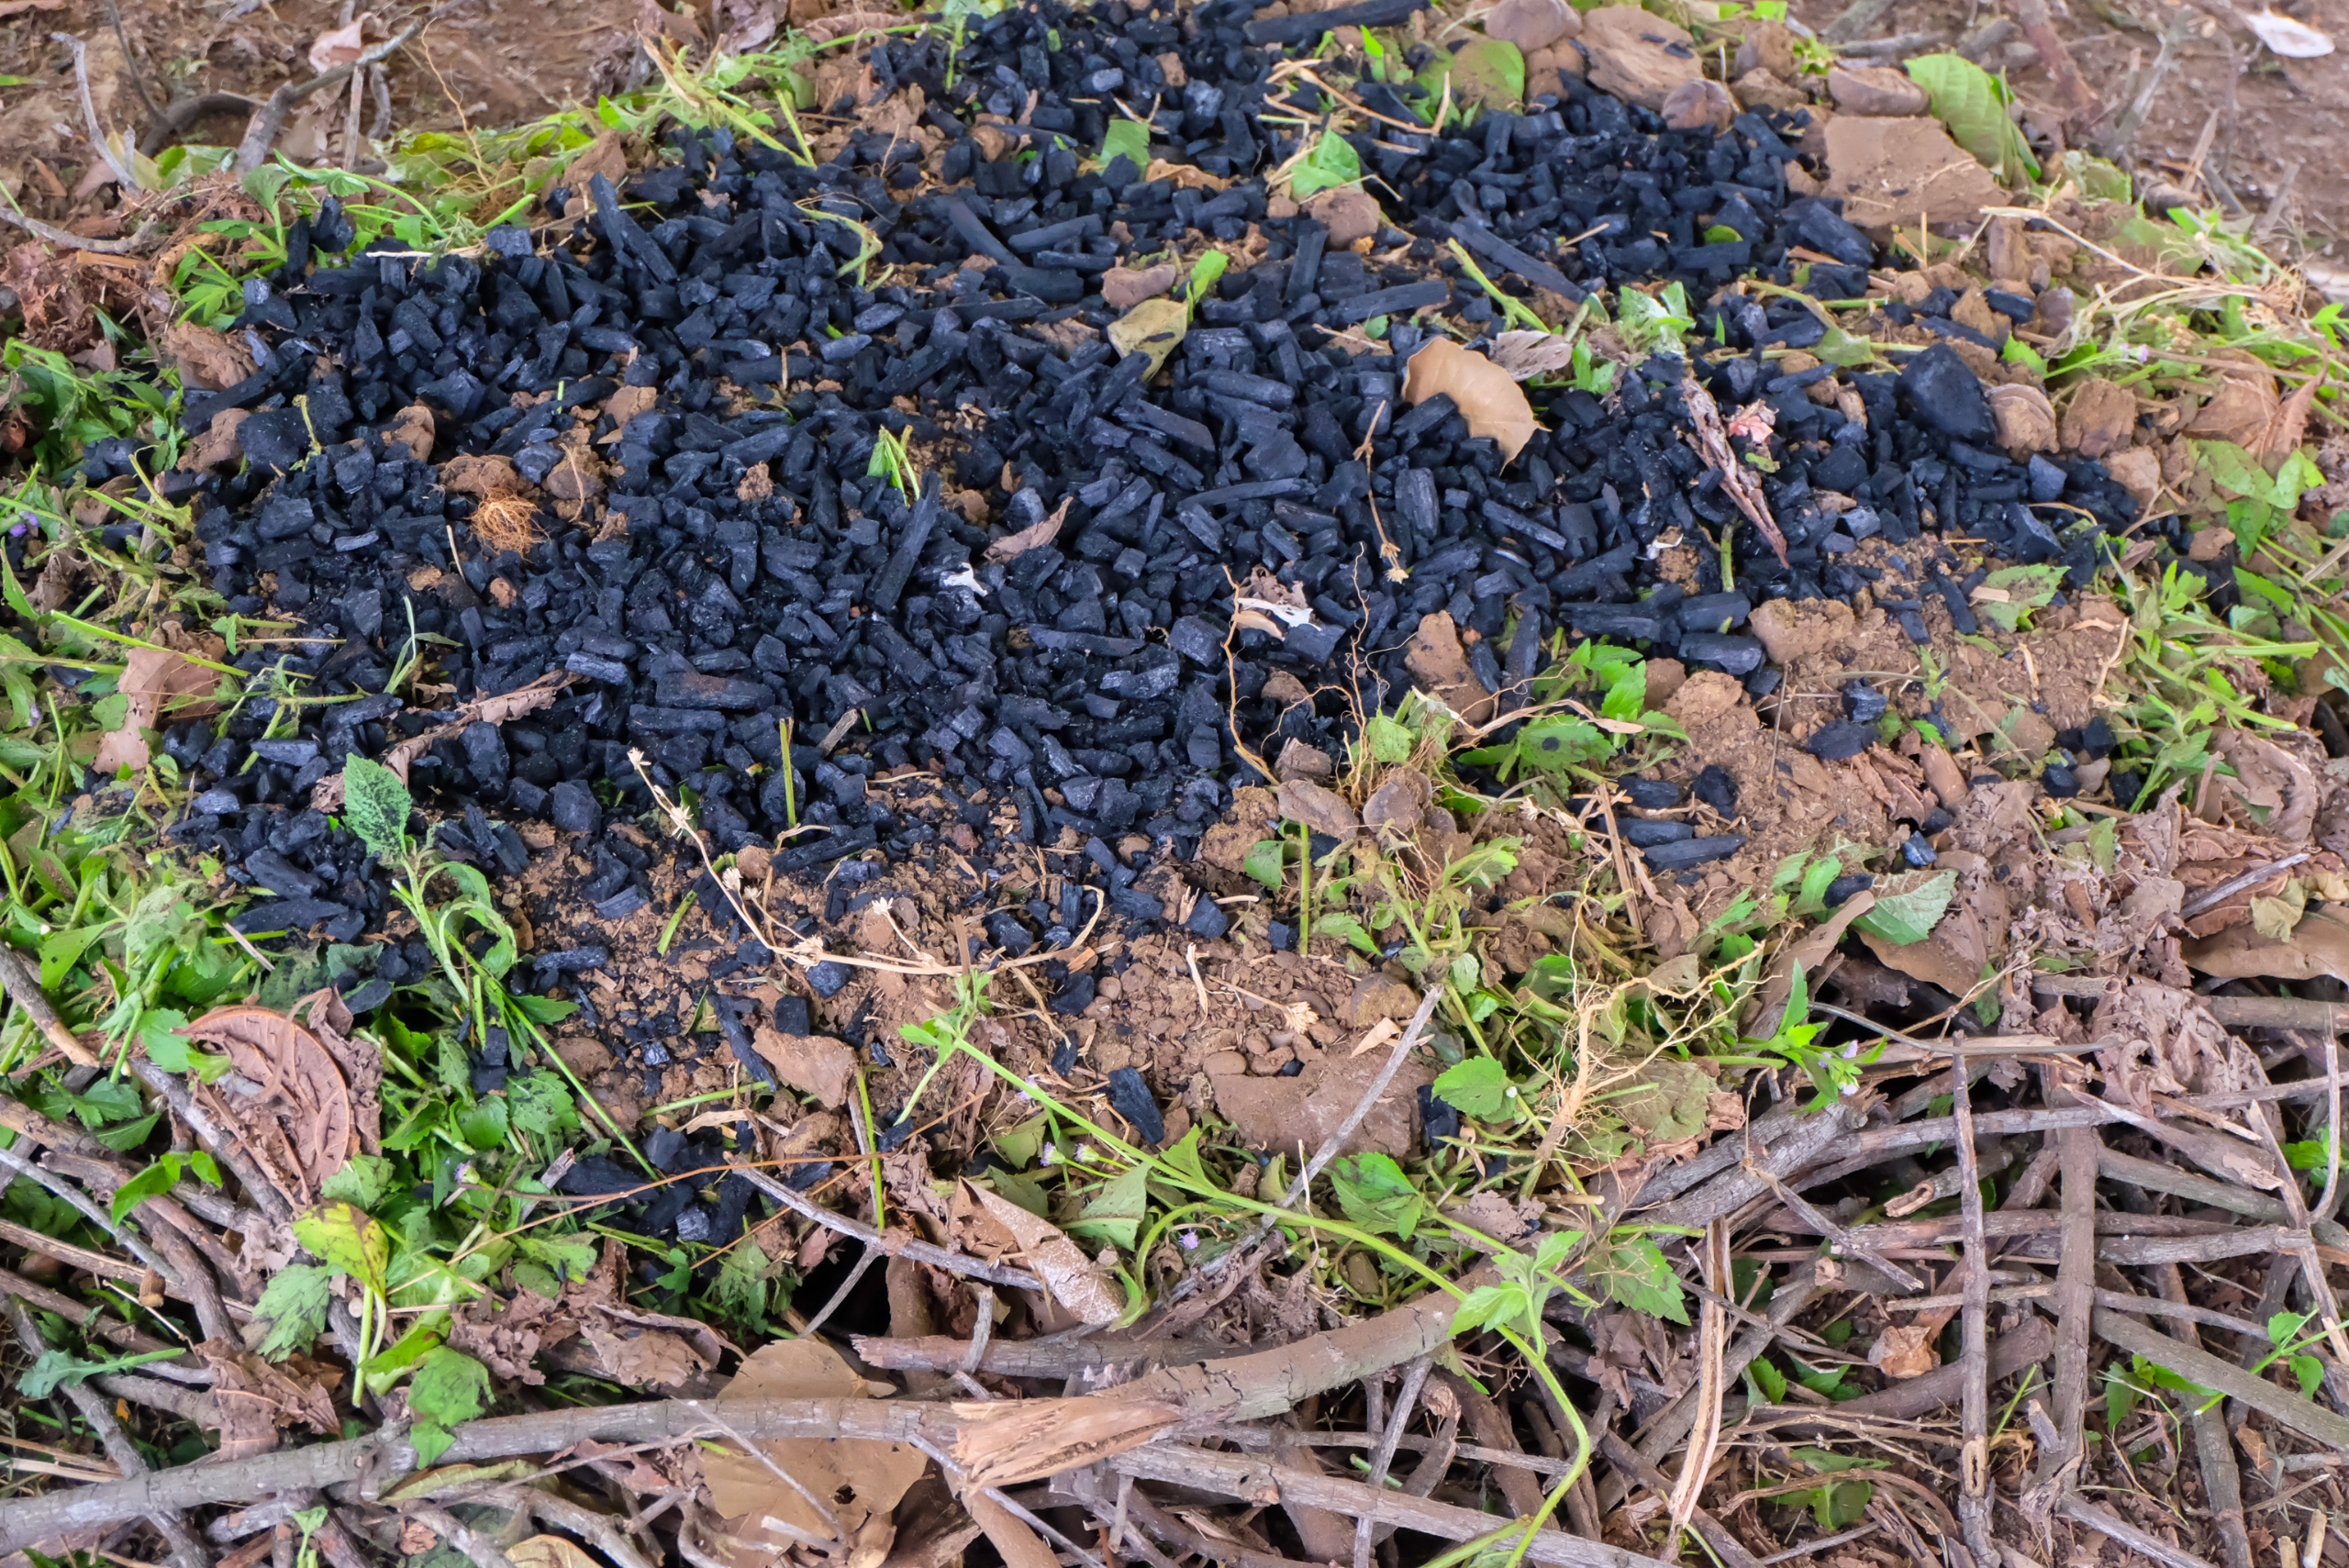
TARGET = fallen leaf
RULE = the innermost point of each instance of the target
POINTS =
(650, 1349)
(151, 679)
(2319, 948)
(18, 7)
(1440, 664)
(1074, 1281)
(2274, 918)
(1526, 354)
(296, 1118)
(1905, 1350)
(861, 1479)
(1486, 395)
(206, 358)
(1153, 330)
(483, 710)
(341, 46)
(2292, 39)
(550, 1551)
(1033, 537)
(810, 1064)
(253, 1400)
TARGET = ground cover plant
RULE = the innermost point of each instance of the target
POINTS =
(1029, 780)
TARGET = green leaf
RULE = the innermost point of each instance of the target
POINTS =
(1388, 741)
(1331, 162)
(1263, 862)
(1338, 923)
(348, 1242)
(124, 1137)
(60, 950)
(540, 1103)
(1488, 1304)
(1972, 104)
(1556, 744)
(1376, 1195)
(2309, 1372)
(58, 1369)
(1128, 140)
(483, 1126)
(153, 1181)
(1487, 72)
(361, 1183)
(1909, 914)
(169, 1050)
(1639, 1276)
(1478, 1086)
(1019, 1146)
(1206, 272)
(430, 1439)
(1772, 1381)
(294, 1303)
(376, 806)
(449, 1387)
(2295, 477)
(1115, 1212)
(545, 1009)
(2236, 472)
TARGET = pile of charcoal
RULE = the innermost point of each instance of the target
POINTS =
(740, 393)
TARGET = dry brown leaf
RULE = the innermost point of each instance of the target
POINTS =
(1905, 1350)
(550, 1551)
(1075, 1282)
(359, 1059)
(1486, 395)
(2271, 779)
(1440, 664)
(650, 1349)
(1183, 175)
(341, 46)
(253, 1399)
(1526, 354)
(603, 156)
(298, 1118)
(2291, 426)
(1033, 537)
(1711, 441)
(153, 679)
(625, 404)
(861, 1479)
(2317, 949)
(482, 710)
(18, 7)
(205, 357)
(812, 1064)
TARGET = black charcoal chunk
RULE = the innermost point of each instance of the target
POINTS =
(1715, 788)
(1840, 740)
(1683, 853)
(1131, 1098)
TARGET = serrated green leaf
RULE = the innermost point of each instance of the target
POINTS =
(1376, 1195)
(1263, 862)
(348, 1242)
(1906, 914)
(376, 806)
(1347, 927)
(1640, 1277)
(2235, 470)
(153, 1181)
(361, 1183)
(540, 1103)
(1972, 104)
(294, 1303)
(1487, 73)
(449, 1387)
(56, 1369)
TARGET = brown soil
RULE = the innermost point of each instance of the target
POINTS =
(486, 64)
(2273, 116)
